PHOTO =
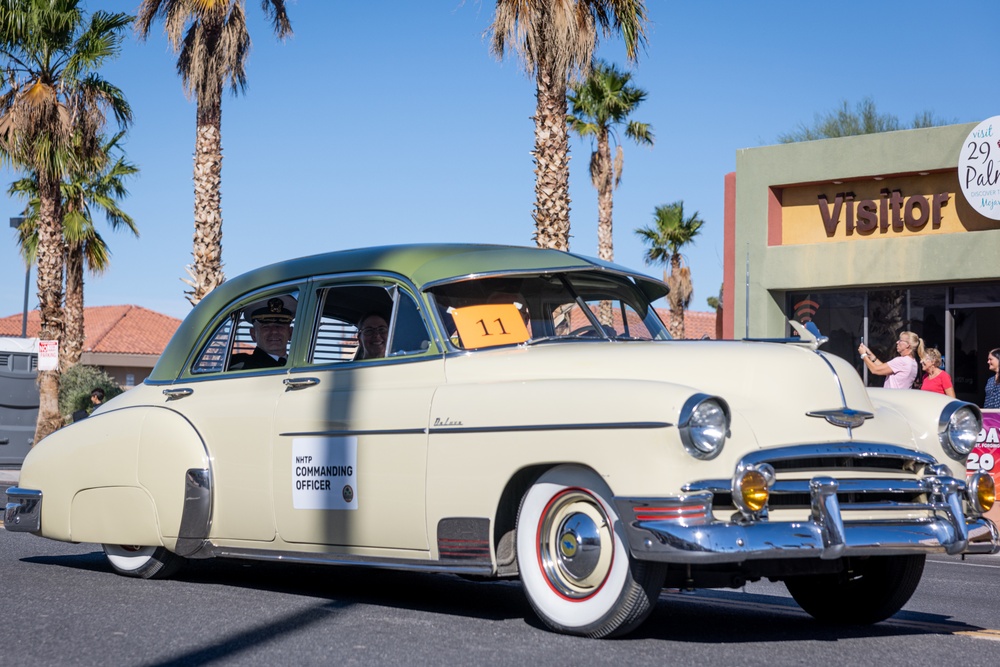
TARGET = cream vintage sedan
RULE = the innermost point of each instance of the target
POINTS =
(512, 412)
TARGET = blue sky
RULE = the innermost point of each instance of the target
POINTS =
(390, 122)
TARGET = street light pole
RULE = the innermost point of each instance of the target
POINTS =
(15, 222)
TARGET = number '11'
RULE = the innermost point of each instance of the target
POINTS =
(486, 332)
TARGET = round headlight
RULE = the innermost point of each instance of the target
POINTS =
(959, 428)
(704, 426)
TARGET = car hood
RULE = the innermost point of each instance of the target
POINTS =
(771, 388)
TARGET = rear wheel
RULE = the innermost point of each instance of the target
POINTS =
(142, 562)
(574, 562)
(869, 590)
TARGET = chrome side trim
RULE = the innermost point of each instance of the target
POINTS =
(482, 569)
(347, 432)
(487, 429)
(23, 513)
(196, 516)
(550, 427)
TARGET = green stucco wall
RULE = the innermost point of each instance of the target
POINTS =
(913, 259)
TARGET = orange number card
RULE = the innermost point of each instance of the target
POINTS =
(489, 325)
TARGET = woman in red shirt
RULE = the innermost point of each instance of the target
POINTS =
(935, 379)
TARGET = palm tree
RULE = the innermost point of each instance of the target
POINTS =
(52, 109)
(95, 183)
(601, 104)
(670, 232)
(213, 43)
(555, 39)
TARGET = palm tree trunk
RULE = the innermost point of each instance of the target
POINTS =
(602, 175)
(50, 281)
(675, 298)
(603, 179)
(551, 160)
(70, 351)
(206, 270)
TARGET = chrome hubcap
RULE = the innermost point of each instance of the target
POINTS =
(575, 544)
(579, 546)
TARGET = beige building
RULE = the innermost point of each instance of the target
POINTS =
(869, 236)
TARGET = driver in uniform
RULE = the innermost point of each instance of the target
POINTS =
(271, 329)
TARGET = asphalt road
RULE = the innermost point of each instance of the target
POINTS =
(63, 606)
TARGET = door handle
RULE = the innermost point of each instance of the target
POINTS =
(291, 384)
(173, 394)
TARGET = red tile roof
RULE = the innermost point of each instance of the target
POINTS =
(698, 325)
(111, 329)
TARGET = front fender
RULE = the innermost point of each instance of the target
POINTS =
(922, 411)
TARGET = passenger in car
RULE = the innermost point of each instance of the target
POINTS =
(271, 329)
(373, 331)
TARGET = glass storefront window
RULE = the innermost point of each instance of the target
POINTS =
(976, 294)
(841, 316)
(838, 316)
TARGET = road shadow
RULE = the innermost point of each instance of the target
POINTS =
(417, 591)
(732, 617)
(702, 617)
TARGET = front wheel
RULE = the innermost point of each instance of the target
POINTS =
(142, 562)
(574, 562)
(869, 590)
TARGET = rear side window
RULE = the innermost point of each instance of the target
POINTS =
(256, 335)
(366, 322)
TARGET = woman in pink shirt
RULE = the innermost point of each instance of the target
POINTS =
(900, 371)
(935, 380)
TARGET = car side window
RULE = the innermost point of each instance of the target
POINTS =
(253, 336)
(364, 322)
(213, 357)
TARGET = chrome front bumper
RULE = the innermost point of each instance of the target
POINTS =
(681, 529)
(24, 510)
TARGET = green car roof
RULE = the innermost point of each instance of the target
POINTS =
(423, 264)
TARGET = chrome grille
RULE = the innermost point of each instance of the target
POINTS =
(871, 476)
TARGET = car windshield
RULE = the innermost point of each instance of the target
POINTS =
(572, 306)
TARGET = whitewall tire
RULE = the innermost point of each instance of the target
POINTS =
(142, 562)
(574, 560)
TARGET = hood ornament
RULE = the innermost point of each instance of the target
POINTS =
(843, 417)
